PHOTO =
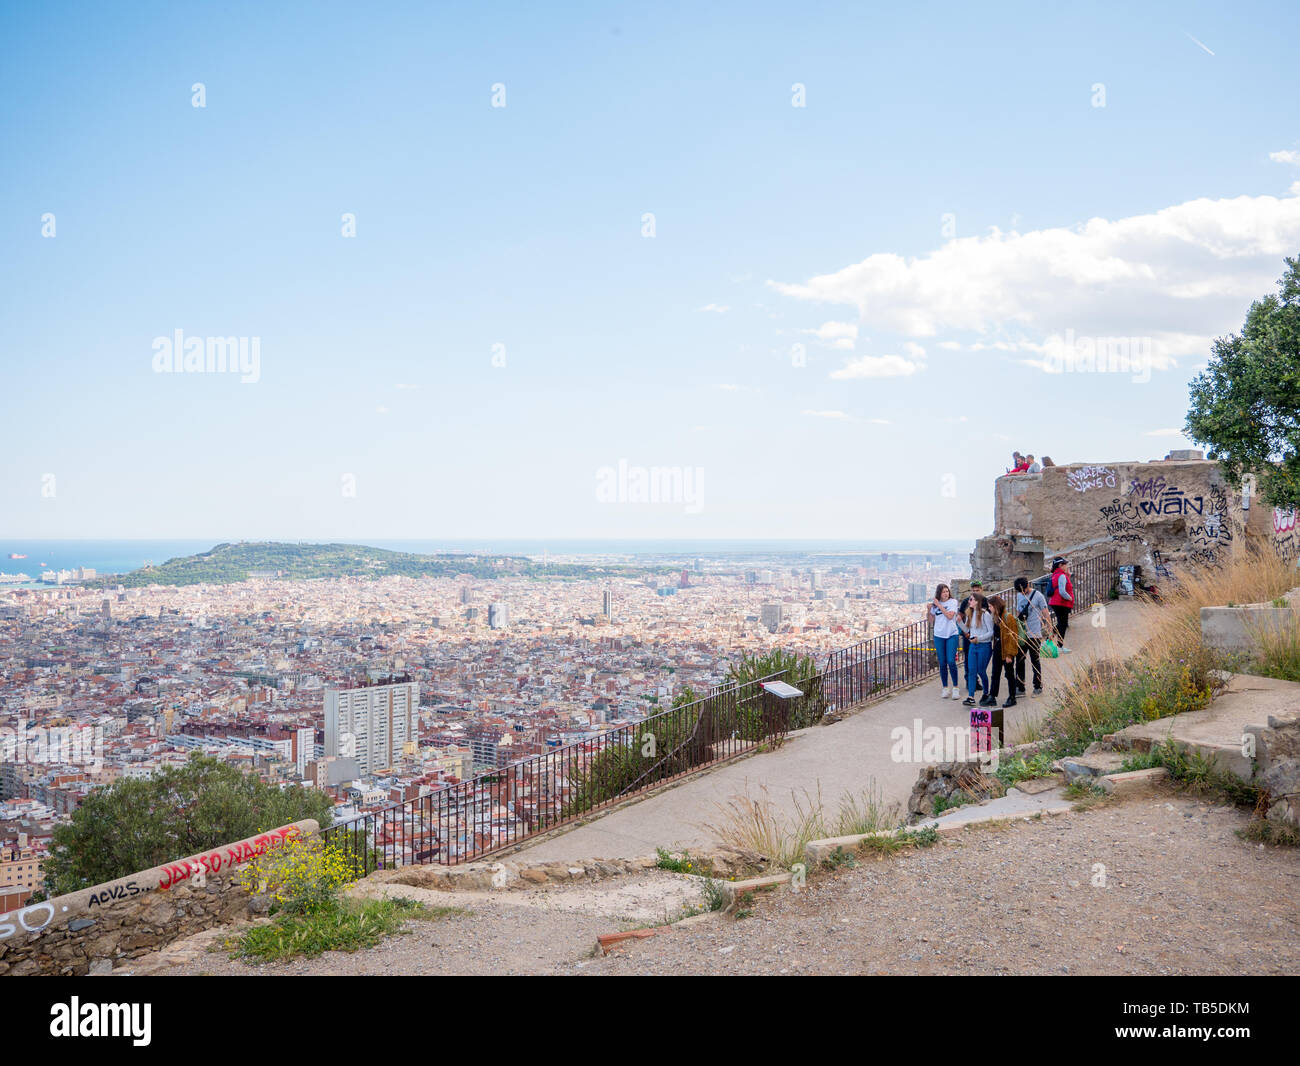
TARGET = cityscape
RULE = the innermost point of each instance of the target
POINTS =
(128, 681)
(661, 489)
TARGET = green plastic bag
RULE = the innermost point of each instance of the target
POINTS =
(1050, 649)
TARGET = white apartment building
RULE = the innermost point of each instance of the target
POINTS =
(371, 723)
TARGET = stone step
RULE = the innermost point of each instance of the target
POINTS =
(1096, 764)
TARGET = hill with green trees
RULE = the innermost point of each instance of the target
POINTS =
(229, 563)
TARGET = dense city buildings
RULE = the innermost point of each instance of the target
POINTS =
(433, 684)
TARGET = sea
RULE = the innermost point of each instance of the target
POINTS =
(123, 556)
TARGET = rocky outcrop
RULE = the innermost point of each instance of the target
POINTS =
(948, 779)
(1278, 756)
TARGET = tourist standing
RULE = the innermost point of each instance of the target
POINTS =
(1006, 643)
(1062, 601)
(1031, 610)
(978, 626)
(976, 587)
(943, 610)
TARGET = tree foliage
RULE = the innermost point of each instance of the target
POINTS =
(792, 668)
(134, 825)
(1246, 406)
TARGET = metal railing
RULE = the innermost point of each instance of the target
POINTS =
(1093, 580)
(499, 808)
(503, 807)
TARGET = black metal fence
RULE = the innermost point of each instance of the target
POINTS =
(498, 808)
(502, 807)
(1093, 580)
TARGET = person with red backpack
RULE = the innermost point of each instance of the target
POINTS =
(1062, 600)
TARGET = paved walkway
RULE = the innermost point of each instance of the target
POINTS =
(840, 759)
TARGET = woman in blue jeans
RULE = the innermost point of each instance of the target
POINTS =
(978, 626)
(943, 610)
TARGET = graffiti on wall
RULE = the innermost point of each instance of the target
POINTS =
(200, 866)
(1156, 500)
(38, 916)
(1121, 520)
(1286, 535)
(1091, 477)
(1213, 533)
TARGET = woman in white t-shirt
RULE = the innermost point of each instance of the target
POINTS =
(943, 611)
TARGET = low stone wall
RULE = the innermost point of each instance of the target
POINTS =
(945, 780)
(513, 876)
(129, 917)
(1277, 754)
(1239, 628)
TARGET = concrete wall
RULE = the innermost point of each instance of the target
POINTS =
(1184, 509)
(135, 915)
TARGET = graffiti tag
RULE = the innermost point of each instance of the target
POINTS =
(1091, 477)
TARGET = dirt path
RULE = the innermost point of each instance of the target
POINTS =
(1183, 895)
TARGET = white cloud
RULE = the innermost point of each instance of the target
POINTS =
(877, 366)
(720, 309)
(1163, 433)
(826, 414)
(836, 334)
(1287, 156)
(1178, 276)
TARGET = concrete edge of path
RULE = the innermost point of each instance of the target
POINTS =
(817, 851)
(1133, 782)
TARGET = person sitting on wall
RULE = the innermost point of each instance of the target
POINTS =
(1032, 466)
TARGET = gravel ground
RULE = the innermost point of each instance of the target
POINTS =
(1183, 895)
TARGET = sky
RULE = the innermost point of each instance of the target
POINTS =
(598, 270)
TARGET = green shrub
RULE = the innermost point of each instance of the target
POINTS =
(1016, 768)
(1109, 695)
(715, 897)
(790, 667)
(341, 926)
(134, 825)
(949, 803)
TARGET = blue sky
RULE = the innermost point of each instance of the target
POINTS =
(948, 213)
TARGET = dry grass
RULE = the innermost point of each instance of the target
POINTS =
(1032, 727)
(756, 823)
(1175, 623)
(1277, 649)
(1172, 671)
